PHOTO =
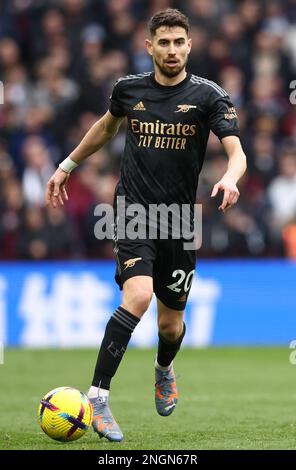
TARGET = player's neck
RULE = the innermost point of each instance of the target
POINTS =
(169, 81)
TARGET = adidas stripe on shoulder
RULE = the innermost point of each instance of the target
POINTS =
(133, 77)
(204, 81)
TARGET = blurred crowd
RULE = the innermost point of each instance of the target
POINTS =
(59, 60)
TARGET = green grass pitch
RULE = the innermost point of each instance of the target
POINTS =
(230, 398)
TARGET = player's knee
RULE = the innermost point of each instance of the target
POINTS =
(170, 331)
(142, 299)
(138, 300)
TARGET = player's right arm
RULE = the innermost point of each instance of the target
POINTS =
(97, 136)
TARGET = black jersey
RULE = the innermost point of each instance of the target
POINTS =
(168, 130)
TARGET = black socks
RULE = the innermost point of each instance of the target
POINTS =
(168, 350)
(117, 335)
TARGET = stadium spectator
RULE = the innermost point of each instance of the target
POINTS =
(282, 193)
(34, 239)
(38, 167)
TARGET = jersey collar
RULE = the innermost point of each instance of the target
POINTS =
(168, 87)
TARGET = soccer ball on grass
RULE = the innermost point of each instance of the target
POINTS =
(65, 414)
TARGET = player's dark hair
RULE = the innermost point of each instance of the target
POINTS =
(169, 17)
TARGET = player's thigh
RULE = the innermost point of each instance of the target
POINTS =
(134, 258)
(134, 271)
(173, 272)
(137, 294)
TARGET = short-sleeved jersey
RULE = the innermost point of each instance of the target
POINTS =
(167, 134)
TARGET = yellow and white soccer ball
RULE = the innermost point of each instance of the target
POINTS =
(65, 414)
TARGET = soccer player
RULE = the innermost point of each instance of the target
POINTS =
(170, 113)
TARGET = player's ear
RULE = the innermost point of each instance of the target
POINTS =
(148, 45)
(189, 45)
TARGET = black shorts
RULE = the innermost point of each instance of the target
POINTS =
(171, 267)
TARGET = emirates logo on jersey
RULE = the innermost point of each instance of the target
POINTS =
(184, 108)
(163, 135)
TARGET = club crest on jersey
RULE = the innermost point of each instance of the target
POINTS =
(130, 263)
(139, 107)
(184, 108)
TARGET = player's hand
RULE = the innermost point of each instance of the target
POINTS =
(56, 188)
(231, 193)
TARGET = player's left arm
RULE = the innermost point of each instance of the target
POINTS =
(237, 165)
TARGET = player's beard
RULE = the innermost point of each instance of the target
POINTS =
(170, 72)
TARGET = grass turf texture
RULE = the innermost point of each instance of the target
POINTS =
(230, 398)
